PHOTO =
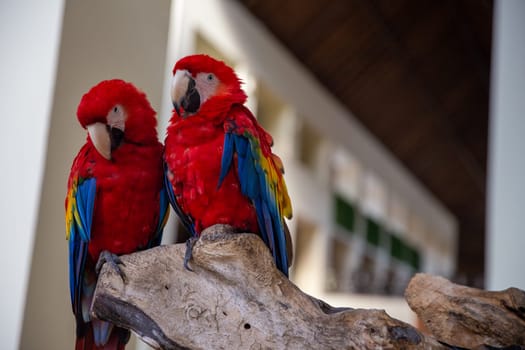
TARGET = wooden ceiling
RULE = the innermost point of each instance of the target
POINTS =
(416, 74)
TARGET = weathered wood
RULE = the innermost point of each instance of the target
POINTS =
(235, 298)
(468, 317)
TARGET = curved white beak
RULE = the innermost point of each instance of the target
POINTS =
(179, 87)
(101, 139)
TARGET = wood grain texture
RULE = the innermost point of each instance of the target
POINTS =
(468, 317)
(235, 298)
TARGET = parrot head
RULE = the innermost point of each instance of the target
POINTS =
(115, 112)
(202, 83)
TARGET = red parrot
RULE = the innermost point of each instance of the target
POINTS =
(219, 160)
(116, 202)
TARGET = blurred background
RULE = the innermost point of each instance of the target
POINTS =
(399, 124)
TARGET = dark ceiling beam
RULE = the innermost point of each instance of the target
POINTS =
(411, 66)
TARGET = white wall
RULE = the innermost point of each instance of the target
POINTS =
(100, 40)
(29, 38)
(506, 200)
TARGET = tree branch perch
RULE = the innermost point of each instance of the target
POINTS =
(235, 299)
(468, 317)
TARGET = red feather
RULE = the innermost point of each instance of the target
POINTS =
(222, 170)
(126, 210)
(194, 148)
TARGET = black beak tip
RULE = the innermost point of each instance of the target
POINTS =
(116, 136)
(176, 107)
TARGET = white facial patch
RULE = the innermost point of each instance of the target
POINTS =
(206, 84)
(116, 117)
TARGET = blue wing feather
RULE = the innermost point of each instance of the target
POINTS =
(256, 185)
(73, 265)
(268, 227)
(227, 157)
(89, 192)
(163, 217)
(80, 232)
(260, 218)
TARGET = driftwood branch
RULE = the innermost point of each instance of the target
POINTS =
(235, 298)
(468, 317)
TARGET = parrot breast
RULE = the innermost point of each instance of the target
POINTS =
(194, 149)
(126, 211)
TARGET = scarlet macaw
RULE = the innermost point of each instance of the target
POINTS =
(116, 203)
(219, 159)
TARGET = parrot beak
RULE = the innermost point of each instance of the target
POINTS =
(184, 93)
(176, 107)
(101, 140)
(116, 136)
(105, 138)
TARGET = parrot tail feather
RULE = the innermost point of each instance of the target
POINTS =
(117, 340)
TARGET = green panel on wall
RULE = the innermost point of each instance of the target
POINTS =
(396, 247)
(373, 233)
(344, 213)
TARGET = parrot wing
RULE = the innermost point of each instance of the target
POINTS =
(80, 203)
(79, 217)
(185, 219)
(260, 174)
(164, 214)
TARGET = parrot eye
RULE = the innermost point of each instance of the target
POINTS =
(115, 109)
(210, 77)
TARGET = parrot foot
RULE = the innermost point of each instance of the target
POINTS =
(190, 243)
(113, 260)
